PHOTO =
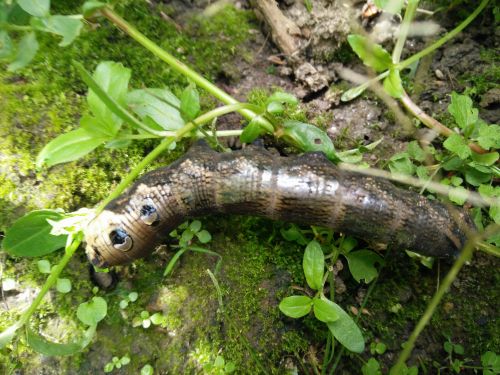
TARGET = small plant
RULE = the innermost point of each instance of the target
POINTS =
(219, 367)
(116, 363)
(339, 323)
(131, 297)
(63, 285)
(147, 370)
(145, 320)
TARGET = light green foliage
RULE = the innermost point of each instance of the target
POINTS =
(373, 55)
(116, 363)
(92, 312)
(147, 370)
(372, 367)
(314, 264)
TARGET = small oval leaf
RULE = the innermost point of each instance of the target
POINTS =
(324, 310)
(346, 331)
(92, 312)
(314, 265)
(295, 306)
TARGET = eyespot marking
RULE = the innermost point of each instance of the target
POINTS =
(121, 240)
(149, 214)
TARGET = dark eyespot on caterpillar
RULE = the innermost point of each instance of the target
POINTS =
(306, 189)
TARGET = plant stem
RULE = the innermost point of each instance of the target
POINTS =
(177, 65)
(464, 256)
(51, 280)
(403, 30)
(12, 27)
(445, 38)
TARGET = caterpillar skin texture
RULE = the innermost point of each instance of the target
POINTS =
(306, 189)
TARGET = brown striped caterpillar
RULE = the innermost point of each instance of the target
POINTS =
(306, 189)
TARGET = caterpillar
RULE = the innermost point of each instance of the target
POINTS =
(305, 189)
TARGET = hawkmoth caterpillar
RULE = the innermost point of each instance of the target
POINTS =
(305, 189)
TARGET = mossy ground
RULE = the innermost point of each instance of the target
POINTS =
(258, 267)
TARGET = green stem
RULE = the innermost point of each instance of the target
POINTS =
(403, 31)
(177, 65)
(465, 255)
(11, 27)
(52, 279)
(444, 39)
(199, 134)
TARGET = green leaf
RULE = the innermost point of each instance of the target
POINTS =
(362, 265)
(190, 103)
(68, 147)
(308, 137)
(113, 79)
(393, 85)
(462, 110)
(391, 6)
(8, 334)
(96, 127)
(157, 318)
(147, 370)
(415, 151)
(132, 296)
(159, 105)
(489, 136)
(43, 346)
(485, 159)
(293, 234)
(275, 108)
(26, 51)
(63, 285)
(92, 312)
(204, 236)
(195, 226)
(282, 97)
(314, 265)
(90, 7)
(346, 331)
(458, 195)
(296, 306)
(6, 46)
(373, 55)
(37, 8)
(324, 310)
(253, 130)
(372, 367)
(66, 26)
(476, 177)
(353, 93)
(43, 266)
(30, 235)
(401, 163)
(456, 144)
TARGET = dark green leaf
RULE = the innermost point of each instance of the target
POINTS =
(476, 177)
(190, 103)
(90, 7)
(68, 147)
(282, 97)
(275, 108)
(373, 55)
(393, 85)
(295, 306)
(92, 312)
(26, 51)
(362, 265)
(42, 345)
(456, 144)
(66, 26)
(253, 130)
(6, 46)
(462, 110)
(113, 79)
(160, 105)
(346, 331)
(314, 265)
(37, 8)
(324, 310)
(30, 235)
(308, 137)
(348, 244)
(293, 234)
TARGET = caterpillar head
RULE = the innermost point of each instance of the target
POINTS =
(120, 236)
